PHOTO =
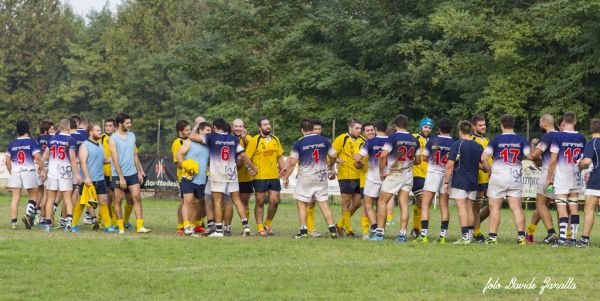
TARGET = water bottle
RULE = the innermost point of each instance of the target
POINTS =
(550, 189)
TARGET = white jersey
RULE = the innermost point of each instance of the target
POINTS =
(59, 163)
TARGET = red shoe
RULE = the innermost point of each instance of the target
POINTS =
(529, 238)
(199, 229)
(262, 233)
(180, 231)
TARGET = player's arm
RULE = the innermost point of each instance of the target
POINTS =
(197, 137)
(281, 163)
(115, 162)
(74, 166)
(138, 167)
(448, 174)
(249, 164)
(485, 163)
(417, 159)
(287, 171)
(181, 153)
(41, 169)
(8, 161)
(588, 154)
(584, 163)
(83, 155)
(382, 162)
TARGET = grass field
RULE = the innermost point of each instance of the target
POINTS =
(163, 266)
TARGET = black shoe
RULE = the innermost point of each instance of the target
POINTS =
(480, 238)
(561, 243)
(582, 244)
(550, 239)
(301, 235)
(28, 221)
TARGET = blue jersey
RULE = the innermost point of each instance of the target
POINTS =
(59, 162)
(402, 148)
(125, 154)
(84, 133)
(592, 151)
(466, 155)
(43, 140)
(437, 149)
(224, 149)
(311, 152)
(78, 140)
(507, 151)
(372, 149)
(569, 147)
(199, 153)
(544, 146)
(95, 160)
(21, 152)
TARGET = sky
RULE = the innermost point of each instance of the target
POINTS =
(82, 7)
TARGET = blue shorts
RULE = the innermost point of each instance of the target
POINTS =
(188, 186)
(100, 187)
(349, 186)
(129, 180)
(108, 183)
(266, 185)
(418, 184)
(246, 187)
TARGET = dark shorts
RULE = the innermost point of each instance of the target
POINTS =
(418, 184)
(246, 187)
(100, 187)
(349, 186)
(266, 185)
(129, 180)
(188, 186)
(108, 183)
(482, 187)
(362, 193)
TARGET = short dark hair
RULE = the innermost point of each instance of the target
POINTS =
(445, 125)
(307, 124)
(260, 120)
(227, 128)
(45, 126)
(595, 126)
(366, 124)
(477, 118)
(181, 125)
(203, 125)
(109, 119)
(22, 127)
(559, 121)
(83, 120)
(569, 118)
(76, 117)
(120, 119)
(401, 121)
(507, 121)
(220, 123)
(72, 123)
(354, 121)
(465, 127)
(390, 130)
(317, 122)
(381, 126)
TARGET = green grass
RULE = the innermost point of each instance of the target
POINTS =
(164, 266)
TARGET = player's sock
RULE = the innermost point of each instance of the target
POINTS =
(373, 228)
(244, 222)
(186, 224)
(69, 220)
(531, 229)
(563, 223)
(200, 222)
(340, 222)
(493, 235)
(139, 223)
(364, 222)
(303, 230)
(585, 238)
(219, 227)
(121, 225)
(14, 220)
(574, 226)
(465, 232)
(181, 226)
(113, 214)
(379, 231)
(476, 231)
(521, 234)
(211, 224)
(444, 229)
(260, 227)
(424, 227)
(128, 210)
(389, 218)
(247, 212)
(77, 210)
(403, 232)
(30, 208)
(416, 217)
(105, 216)
(471, 231)
(551, 231)
(310, 219)
(268, 223)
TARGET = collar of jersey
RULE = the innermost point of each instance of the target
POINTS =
(447, 137)
(509, 133)
(570, 132)
(403, 132)
(310, 135)
(381, 136)
(64, 134)
(23, 138)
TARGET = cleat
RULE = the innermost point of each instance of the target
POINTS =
(415, 233)
(270, 231)
(208, 231)
(462, 241)
(75, 229)
(199, 229)
(301, 235)
(246, 231)
(68, 228)
(390, 223)
(314, 234)
(262, 233)
(95, 226)
(188, 230)
(441, 240)
(421, 239)
(351, 235)
(62, 223)
(48, 228)
(128, 226)
(333, 235)
(491, 241)
(28, 221)
(401, 239)
(88, 221)
(366, 236)
(216, 234)
(14, 226)
(111, 229)
(143, 230)
(572, 242)
(529, 239)
(582, 244)
(480, 238)
(121, 231)
(377, 238)
(521, 241)
(180, 231)
(561, 243)
(227, 232)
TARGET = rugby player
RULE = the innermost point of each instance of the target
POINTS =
(480, 210)
(591, 155)
(245, 180)
(419, 172)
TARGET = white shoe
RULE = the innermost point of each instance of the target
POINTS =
(314, 234)
(246, 231)
(188, 230)
(144, 230)
(216, 234)
(366, 237)
(121, 231)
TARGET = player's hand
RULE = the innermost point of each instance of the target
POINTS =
(549, 182)
(359, 164)
(253, 172)
(78, 179)
(286, 182)
(446, 188)
(340, 161)
(331, 174)
(43, 175)
(586, 177)
(383, 175)
(141, 177)
(88, 181)
(122, 183)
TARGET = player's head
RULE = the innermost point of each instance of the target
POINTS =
(479, 124)
(380, 126)
(76, 117)
(369, 130)
(46, 127)
(204, 128)
(264, 126)
(560, 124)
(390, 130)
(22, 128)
(307, 125)
(109, 125)
(507, 122)
(569, 120)
(354, 127)
(183, 128)
(73, 124)
(445, 126)
(595, 126)
(83, 123)
(546, 122)
(220, 125)
(318, 126)
(198, 121)
(425, 126)
(465, 128)
(238, 127)
(123, 122)
(94, 131)
(401, 122)
(64, 125)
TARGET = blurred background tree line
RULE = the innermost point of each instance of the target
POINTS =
(335, 60)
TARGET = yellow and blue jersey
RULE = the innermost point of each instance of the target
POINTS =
(346, 146)
(483, 177)
(419, 171)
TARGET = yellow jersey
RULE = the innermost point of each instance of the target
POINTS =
(483, 177)
(243, 173)
(177, 143)
(421, 169)
(365, 168)
(264, 153)
(345, 146)
(104, 141)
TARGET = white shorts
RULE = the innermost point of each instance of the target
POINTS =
(502, 186)
(456, 193)
(208, 193)
(395, 182)
(306, 192)
(26, 179)
(542, 185)
(434, 182)
(592, 192)
(567, 182)
(59, 184)
(371, 188)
